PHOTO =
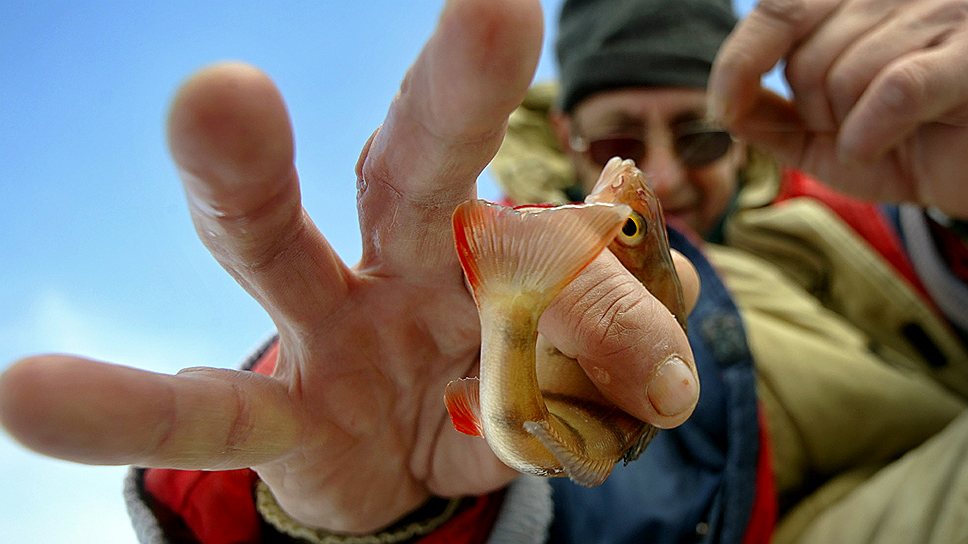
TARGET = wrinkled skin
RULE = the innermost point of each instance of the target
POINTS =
(350, 432)
(880, 107)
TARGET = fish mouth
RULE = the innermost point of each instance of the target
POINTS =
(611, 180)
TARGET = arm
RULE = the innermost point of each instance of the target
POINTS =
(349, 431)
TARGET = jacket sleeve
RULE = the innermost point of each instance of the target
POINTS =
(218, 507)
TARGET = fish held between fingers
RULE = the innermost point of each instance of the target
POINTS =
(536, 407)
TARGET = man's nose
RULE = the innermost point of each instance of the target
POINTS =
(663, 169)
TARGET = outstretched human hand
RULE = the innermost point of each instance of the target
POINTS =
(350, 432)
(880, 94)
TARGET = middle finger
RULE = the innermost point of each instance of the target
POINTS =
(809, 66)
(443, 127)
(912, 28)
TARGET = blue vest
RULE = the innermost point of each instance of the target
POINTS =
(694, 483)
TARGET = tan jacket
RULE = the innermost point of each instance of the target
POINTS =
(844, 391)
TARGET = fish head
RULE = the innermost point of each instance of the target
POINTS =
(642, 246)
(643, 234)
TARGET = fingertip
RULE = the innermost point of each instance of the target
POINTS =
(728, 89)
(511, 29)
(25, 381)
(230, 136)
(755, 46)
(51, 404)
(688, 278)
(673, 391)
(443, 127)
(228, 123)
(15, 383)
(490, 50)
(734, 83)
(631, 346)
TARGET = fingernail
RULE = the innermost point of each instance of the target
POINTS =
(673, 388)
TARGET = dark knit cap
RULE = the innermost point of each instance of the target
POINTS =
(610, 44)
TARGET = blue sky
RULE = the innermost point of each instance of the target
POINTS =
(102, 257)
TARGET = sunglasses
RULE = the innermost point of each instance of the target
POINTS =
(696, 144)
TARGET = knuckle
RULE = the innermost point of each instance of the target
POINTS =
(249, 254)
(735, 59)
(619, 321)
(952, 13)
(843, 84)
(902, 88)
(801, 72)
(792, 13)
(250, 238)
(241, 427)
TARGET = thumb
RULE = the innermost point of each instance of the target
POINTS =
(628, 343)
(102, 414)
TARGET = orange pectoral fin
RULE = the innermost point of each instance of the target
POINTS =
(463, 400)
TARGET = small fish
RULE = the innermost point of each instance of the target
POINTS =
(642, 246)
(536, 407)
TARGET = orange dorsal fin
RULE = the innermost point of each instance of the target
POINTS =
(463, 400)
(537, 250)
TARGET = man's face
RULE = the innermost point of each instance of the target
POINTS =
(697, 192)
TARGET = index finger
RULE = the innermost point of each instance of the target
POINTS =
(442, 129)
(766, 36)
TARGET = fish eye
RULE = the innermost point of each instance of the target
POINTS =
(630, 228)
(634, 229)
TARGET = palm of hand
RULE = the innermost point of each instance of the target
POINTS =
(350, 432)
(375, 428)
